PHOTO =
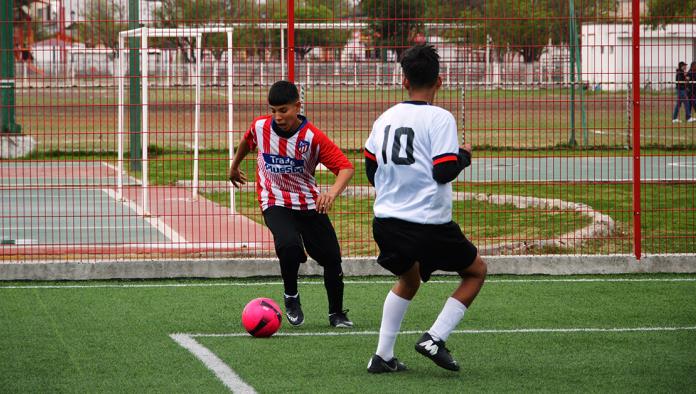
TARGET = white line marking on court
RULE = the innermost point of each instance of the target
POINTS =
(155, 222)
(622, 133)
(223, 372)
(681, 165)
(356, 282)
(131, 180)
(481, 331)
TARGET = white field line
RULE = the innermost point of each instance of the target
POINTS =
(355, 282)
(223, 372)
(568, 330)
(235, 383)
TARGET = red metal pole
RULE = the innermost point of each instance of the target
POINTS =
(291, 40)
(635, 16)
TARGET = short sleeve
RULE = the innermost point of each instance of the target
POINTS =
(443, 139)
(250, 136)
(331, 156)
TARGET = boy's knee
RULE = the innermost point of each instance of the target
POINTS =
(408, 284)
(333, 270)
(478, 269)
(291, 253)
(483, 267)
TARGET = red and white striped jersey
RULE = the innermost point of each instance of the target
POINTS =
(286, 166)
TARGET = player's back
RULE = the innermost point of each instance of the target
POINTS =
(407, 140)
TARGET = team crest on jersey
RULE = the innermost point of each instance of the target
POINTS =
(303, 146)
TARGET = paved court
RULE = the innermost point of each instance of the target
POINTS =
(74, 207)
(580, 169)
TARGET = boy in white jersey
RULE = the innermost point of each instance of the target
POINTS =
(411, 156)
(294, 209)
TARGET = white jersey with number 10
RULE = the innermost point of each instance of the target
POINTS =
(406, 142)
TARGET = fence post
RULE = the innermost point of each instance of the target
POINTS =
(7, 71)
(291, 40)
(135, 104)
(635, 37)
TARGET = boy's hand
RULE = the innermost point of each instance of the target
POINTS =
(467, 147)
(237, 177)
(325, 202)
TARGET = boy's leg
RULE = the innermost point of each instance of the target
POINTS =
(320, 239)
(395, 305)
(451, 251)
(288, 246)
(455, 307)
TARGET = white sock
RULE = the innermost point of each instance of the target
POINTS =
(291, 296)
(447, 321)
(392, 316)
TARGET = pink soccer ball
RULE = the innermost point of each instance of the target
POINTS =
(261, 317)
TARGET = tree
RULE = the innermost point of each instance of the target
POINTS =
(394, 23)
(307, 39)
(194, 13)
(102, 23)
(525, 26)
(662, 12)
(313, 11)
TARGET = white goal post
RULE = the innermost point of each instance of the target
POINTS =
(144, 33)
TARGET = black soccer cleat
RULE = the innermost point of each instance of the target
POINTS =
(293, 311)
(340, 320)
(378, 365)
(436, 351)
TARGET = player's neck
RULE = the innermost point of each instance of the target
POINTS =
(427, 95)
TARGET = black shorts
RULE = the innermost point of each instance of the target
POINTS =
(435, 246)
(295, 230)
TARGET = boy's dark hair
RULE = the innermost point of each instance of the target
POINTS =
(283, 92)
(421, 65)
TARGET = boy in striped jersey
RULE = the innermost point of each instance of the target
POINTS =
(411, 157)
(294, 209)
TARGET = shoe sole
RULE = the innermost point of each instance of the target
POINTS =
(386, 371)
(448, 367)
(342, 326)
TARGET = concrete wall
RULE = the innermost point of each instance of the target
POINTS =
(515, 265)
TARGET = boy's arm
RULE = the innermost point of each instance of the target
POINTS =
(335, 160)
(326, 199)
(448, 168)
(235, 175)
